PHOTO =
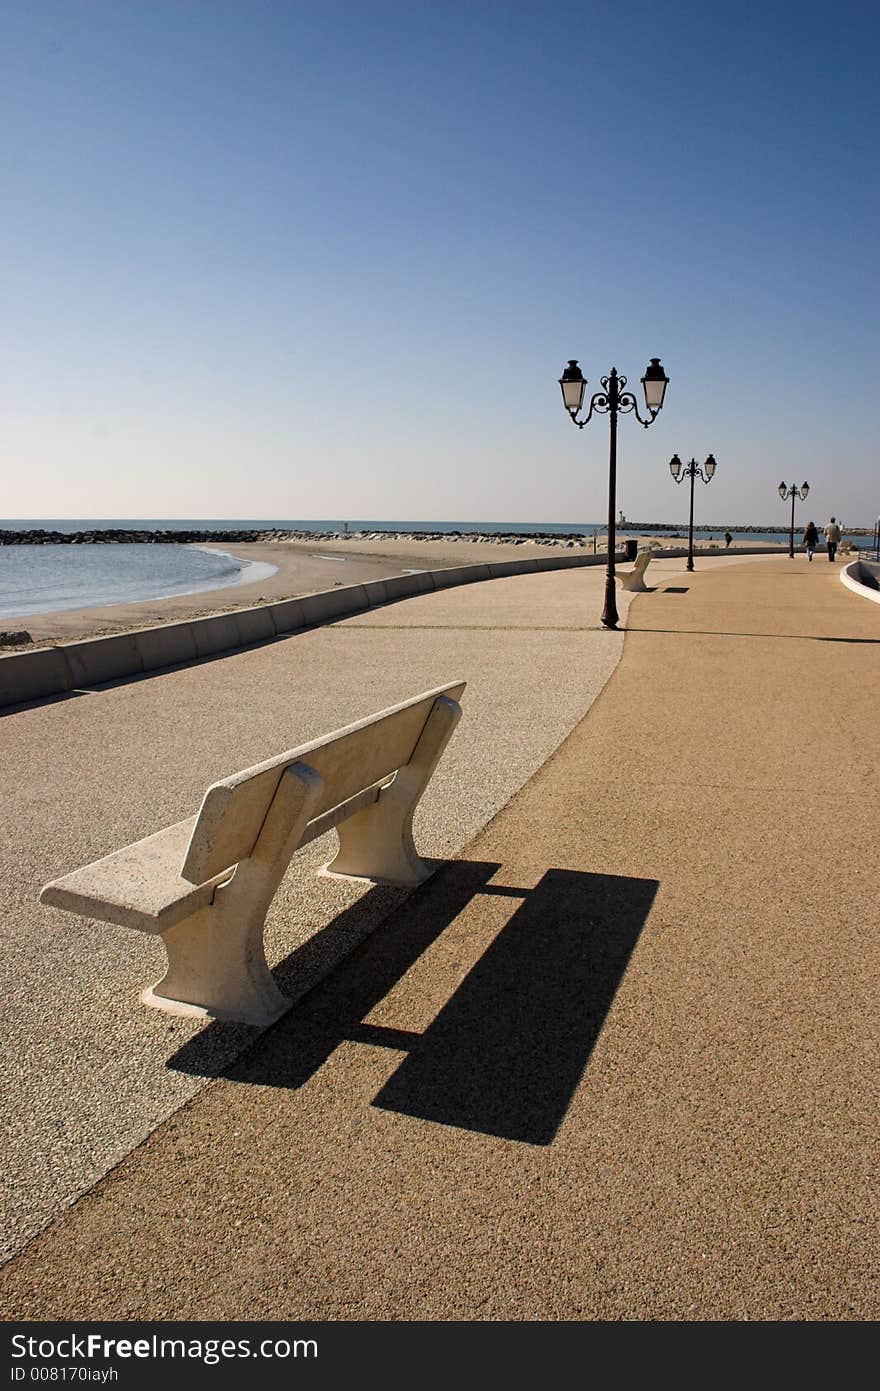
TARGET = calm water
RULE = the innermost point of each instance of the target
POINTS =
(43, 579)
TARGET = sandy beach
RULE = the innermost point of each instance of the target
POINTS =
(303, 567)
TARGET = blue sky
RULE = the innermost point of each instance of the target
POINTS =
(295, 260)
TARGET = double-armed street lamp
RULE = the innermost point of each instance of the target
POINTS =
(692, 471)
(792, 492)
(612, 400)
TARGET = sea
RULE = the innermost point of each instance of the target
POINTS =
(47, 579)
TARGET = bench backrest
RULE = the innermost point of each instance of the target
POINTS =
(351, 759)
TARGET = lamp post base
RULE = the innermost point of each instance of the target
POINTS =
(609, 615)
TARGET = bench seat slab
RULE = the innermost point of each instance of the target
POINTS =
(138, 887)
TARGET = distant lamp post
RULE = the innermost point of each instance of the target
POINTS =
(792, 492)
(612, 400)
(692, 470)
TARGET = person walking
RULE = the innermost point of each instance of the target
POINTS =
(832, 538)
(727, 539)
(811, 539)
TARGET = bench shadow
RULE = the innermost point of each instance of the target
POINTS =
(506, 1053)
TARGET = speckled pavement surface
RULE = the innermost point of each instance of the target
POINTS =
(615, 1062)
(86, 1071)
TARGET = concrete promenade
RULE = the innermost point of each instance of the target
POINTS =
(86, 1074)
(614, 1061)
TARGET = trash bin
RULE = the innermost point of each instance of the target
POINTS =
(632, 548)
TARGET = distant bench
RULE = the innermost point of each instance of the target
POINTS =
(634, 579)
(205, 884)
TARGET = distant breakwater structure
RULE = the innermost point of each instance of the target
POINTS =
(132, 536)
(774, 529)
(122, 536)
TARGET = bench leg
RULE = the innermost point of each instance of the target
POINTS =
(216, 962)
(217, 968)
(377, 844)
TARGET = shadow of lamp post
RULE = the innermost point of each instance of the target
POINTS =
(792, 492)
(612, 401)
(692, 470)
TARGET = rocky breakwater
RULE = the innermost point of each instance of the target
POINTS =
(492, 538)
(126, 536)
(132, 536)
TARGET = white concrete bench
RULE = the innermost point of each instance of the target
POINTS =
(634, 579)
(205, 884)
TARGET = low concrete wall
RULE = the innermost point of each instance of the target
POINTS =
(333, 603)
(460, 574)
(165, 645)
(49, 671)
(102, 660)
(215, 634)
(29, 675)
(405, 586)
(862, 578)
(254, 625)
(288, 616)
(500, 569)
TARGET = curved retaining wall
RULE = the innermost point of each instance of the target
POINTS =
(70, 666)
(862, 578)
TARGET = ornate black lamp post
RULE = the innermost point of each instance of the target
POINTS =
(611, 401)
(692, 471)
(792, 492)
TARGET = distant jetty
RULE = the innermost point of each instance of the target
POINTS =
(707, 526)
(132, 536)
(775, 528)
